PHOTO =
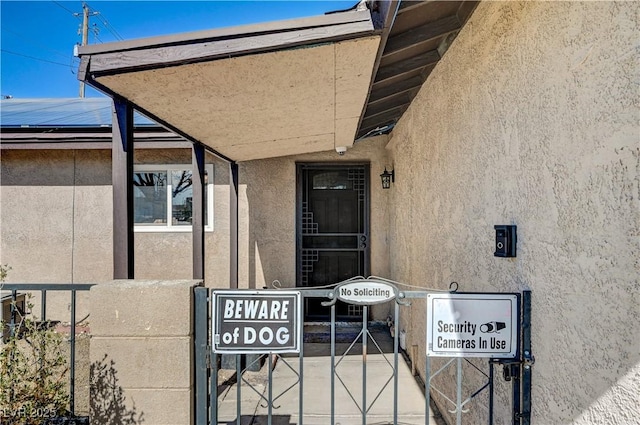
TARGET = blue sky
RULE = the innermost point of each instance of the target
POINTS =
(37, 37)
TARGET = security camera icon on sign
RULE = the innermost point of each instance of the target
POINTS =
(492, 327)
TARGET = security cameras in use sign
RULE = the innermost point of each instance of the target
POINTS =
(256, 321)
(472, 325)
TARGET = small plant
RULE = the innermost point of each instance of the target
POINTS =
(33, 370)
(3, 272)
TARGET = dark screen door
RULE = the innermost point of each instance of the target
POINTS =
(333, 231)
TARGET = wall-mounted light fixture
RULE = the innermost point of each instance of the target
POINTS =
(387, 178)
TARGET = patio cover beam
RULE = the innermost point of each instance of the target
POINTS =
(233, 225)
(122, 180)
(197, 212)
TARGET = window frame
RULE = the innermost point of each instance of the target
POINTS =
(169, 227)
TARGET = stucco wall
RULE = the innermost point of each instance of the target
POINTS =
(531, 119)
(168, 255)
(57, 219)
(56, 223)
(268, 215)
(53, 206)
(268, 212)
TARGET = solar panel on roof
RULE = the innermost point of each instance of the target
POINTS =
(79, 112)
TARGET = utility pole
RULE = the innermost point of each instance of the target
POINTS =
(85, 33)
(85, 36)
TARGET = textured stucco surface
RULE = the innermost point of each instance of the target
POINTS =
(57, 220)
(264, 102)
(267, 215)
(53, 203)
(268, 212)
(532, 118)
(46, 218)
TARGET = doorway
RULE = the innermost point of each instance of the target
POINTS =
(332, 231)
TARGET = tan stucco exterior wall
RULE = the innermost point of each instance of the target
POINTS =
(56, 223)
(57, 220)
(268, 212)
(168, 255)
(532, 118)
(267, 215)
(55, 204)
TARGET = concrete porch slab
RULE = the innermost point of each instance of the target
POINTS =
(317, 391)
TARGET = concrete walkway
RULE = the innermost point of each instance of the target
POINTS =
(317, 390)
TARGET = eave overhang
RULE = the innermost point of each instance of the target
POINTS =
(252, 92)
(420, 34)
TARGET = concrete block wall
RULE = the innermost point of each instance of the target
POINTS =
(141, 352)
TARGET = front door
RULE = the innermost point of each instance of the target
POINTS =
(332, 231)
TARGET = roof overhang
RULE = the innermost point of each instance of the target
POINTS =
(419, 36)
(252, 92)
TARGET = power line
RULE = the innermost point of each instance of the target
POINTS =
(71, 64)
(112, 30)
(24, 39)
(74, 14)
(84, 16)
(108, 26)
(34, 58)
(95, 35)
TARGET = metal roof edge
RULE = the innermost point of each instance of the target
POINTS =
(87, 139)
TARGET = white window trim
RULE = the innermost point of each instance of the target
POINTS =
(169, 228)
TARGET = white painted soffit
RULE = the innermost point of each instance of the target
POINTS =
(260, 91)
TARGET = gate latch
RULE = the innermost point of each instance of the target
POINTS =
(512, 369)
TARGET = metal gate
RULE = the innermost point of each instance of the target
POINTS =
(208, 359)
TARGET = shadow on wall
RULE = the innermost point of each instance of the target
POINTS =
(108, 403)
(271, 221)
(262, 420)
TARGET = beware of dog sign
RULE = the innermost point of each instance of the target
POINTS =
(256, 322)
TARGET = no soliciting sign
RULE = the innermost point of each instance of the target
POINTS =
(472, 325)
(256, 322)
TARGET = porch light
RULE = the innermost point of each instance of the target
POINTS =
(387, 178)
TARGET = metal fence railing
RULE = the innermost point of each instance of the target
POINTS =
(213, 340)
(207, 363)
(15, 297)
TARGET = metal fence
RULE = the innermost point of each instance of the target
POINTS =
(18, 290)
(207, 366)
(207, 362)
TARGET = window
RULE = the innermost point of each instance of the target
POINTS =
(163, 198)
(332, 180)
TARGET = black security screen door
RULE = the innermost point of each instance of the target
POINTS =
(333, 231)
